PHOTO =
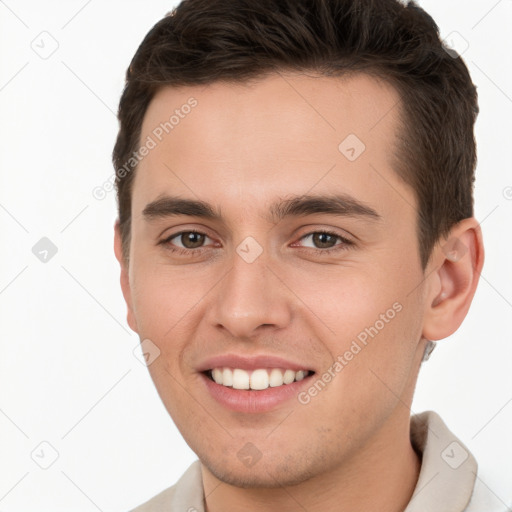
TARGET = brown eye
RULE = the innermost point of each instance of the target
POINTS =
(324, 240)
(192, 239)
(185, 241)
(324, 243)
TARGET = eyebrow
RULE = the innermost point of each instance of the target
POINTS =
(298, 206)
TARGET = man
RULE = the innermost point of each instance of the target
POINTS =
(295, 231)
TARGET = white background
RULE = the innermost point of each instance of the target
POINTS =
(68, 374)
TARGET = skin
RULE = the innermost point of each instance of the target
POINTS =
(243, 147)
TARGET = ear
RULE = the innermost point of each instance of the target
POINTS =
(125, 280)
(456, 264)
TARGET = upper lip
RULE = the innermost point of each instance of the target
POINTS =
(249, 362)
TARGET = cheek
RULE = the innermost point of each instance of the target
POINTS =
(370, 324)
(345, 299)
(164, 298)
(378, 360)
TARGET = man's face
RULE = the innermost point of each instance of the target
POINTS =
(255, 292)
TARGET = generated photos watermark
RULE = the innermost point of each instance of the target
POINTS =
(357, 345)
(101, 191)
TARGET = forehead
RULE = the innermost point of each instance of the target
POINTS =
(282, 134)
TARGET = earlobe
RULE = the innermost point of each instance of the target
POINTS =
(124, 278)
(458, 261)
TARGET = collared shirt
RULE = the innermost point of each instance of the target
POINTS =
(448, 479)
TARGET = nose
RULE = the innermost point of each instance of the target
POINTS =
(251, 297)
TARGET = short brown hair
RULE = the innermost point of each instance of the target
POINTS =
(204, 41)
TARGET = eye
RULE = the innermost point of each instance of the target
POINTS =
(191, 242)
(326, 240)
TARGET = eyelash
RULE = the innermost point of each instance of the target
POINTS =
(346, 244)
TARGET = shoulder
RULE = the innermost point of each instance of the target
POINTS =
(459, 482)
(185, 495)
(159, 502)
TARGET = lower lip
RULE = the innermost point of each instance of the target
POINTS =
(246, 400)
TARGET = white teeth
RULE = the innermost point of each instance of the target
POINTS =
(257, 379)
(227, 377)
(240, 379)
(276, 378)
(217, 375)
(289, 376)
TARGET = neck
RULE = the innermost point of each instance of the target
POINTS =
(382, 476)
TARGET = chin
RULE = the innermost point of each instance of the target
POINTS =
(269, 474)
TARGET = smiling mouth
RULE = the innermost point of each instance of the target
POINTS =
(255, 380)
